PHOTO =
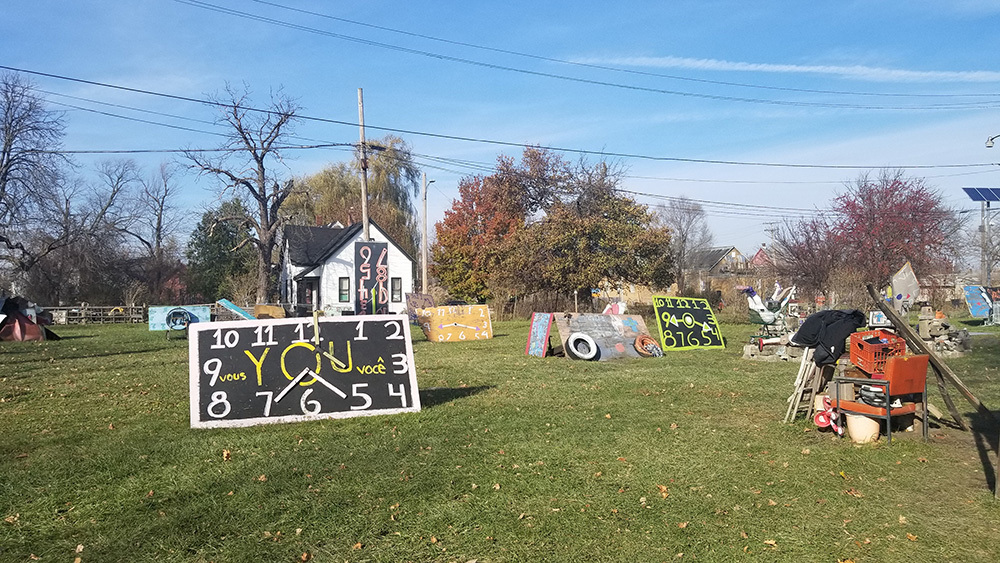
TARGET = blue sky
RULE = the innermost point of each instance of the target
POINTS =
(678, 86)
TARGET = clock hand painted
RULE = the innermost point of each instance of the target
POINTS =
(461, 325)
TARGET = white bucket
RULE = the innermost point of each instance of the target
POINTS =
(862, 429)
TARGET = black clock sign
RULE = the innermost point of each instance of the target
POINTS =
(244, 373)
(686, 323)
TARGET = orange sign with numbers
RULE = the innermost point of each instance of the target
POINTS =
(456, 323)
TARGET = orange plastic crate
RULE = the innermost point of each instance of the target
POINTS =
(870, 357)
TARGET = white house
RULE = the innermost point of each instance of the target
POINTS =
(318, 270)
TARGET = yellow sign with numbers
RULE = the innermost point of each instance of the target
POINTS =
(456, 323)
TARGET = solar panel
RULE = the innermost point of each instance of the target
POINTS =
(974, 194)
(983, 194)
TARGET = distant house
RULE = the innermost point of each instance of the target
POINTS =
(761, 260)
(719, 262)
(318, 271)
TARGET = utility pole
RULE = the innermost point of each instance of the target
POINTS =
(423, 251)
(983, 262)
(364, 168)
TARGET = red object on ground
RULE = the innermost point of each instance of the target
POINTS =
(19, 328)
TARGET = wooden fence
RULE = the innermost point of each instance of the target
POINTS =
(90, 314)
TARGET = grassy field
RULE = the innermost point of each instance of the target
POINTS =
(511, 459)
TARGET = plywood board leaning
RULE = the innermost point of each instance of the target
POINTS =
(613, 335)
(245, 373)
(456, 323)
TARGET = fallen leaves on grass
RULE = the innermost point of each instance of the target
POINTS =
(12, 518)
(306, 556)
(664, 493)
(911, 537)
(902, 519)
(682, 525)
(357, 546)
(853, 492)
(771, 543)
(226, 455)
(262, 478)
(805, 451)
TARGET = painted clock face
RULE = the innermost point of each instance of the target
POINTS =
(456, 323)
(686, 323)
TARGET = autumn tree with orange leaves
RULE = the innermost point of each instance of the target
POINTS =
(543, 224)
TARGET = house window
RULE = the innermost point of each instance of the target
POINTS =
(345, 290)
(397, 289)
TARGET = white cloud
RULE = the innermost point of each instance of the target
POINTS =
(860, 72)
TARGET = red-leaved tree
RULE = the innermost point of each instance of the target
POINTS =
(883, 221)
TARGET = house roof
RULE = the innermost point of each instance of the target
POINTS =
(709, 258)
(309, 246)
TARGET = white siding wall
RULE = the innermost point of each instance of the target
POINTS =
(341, 264)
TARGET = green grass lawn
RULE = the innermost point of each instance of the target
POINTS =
(512, 458)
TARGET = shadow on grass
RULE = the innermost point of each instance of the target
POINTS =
(972, 322)
(76, 336)
(434, 396)
(985, 430)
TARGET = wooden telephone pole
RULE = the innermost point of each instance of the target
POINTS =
(364, 168)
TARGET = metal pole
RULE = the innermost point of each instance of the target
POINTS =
(988, 247)
(982, 232)
(364, 168)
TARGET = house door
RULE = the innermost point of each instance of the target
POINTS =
(308, 293)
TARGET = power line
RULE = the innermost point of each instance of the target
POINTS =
(494, 142)
(439, 56)
(616, 69)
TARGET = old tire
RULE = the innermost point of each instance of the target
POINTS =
(646, 346)
(581, 346)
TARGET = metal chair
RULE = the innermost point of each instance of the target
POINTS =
(904, 375)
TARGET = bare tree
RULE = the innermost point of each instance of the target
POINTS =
(690, 233)
(807, 253)
(31, 173)
(156, 224)
(245, 168)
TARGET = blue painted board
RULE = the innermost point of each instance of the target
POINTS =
(239, 311)
(197, 314)
(538, 336)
